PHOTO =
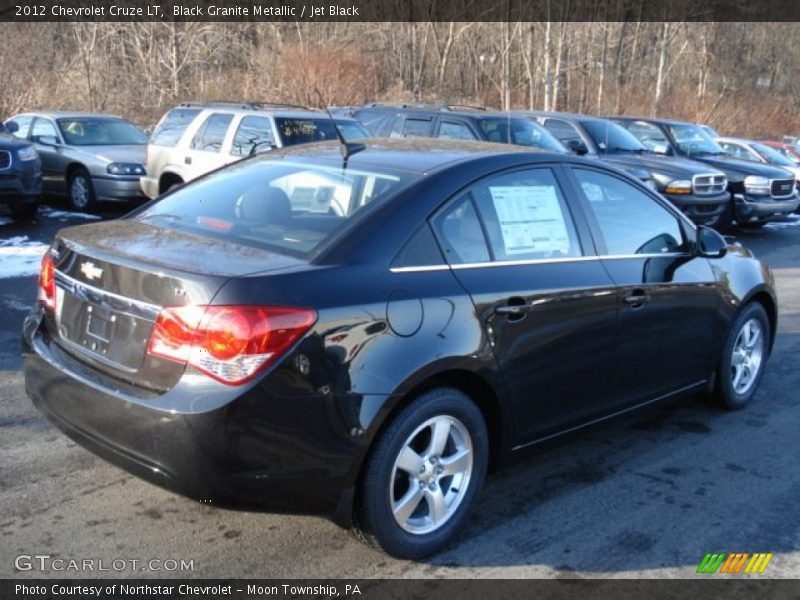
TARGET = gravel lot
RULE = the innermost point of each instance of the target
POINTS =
(647, 496)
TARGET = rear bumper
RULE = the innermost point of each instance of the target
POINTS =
(702, 210)
(252, 452)
(108, 189)
(753, 209)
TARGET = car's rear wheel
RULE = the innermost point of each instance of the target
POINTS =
(423, 475)
(744, 357)
(80, 191)
(25, 212)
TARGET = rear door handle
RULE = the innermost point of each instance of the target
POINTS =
(636, 298)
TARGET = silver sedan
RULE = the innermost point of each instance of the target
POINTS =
(87, 157)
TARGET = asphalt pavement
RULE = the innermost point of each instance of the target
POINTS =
(646, 496)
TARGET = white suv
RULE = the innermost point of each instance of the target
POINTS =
(197, 137)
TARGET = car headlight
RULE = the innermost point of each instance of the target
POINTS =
(27, 153)
(125, 169)
(679, 186)
(757, 186)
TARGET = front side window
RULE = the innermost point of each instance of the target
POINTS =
(43, 128)
(630, 221)
(90, 131)
(212, 133)
(286, 205)
(450, 130)
(514, 216)
(650, 136)
(522, 132)
(563, 131)
(253, 136)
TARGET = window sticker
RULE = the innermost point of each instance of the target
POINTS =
(531, 220)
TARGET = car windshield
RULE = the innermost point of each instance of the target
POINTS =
(303, 130)
(90, 131)
(523, 132)
(283, 203)
(772, 156)
(610, 137)
(693, 141)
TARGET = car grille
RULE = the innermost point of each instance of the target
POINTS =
(709, 183)
(782, 188)
(5, 160)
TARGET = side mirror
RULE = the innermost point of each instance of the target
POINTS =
(710, 244)
(46, 140)
(578, 147)
(12, 127)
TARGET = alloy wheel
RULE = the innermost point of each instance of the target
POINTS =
(747, 357)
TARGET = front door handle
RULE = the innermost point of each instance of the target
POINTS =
(188, 160)
(514, 307)
(636, 298)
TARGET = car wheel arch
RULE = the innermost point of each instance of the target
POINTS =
(763, 297)
(167, 180)
(73, 168)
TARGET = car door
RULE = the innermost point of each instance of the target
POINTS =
(205, 149)
(543, 296)
(53, 162)
(668, 297)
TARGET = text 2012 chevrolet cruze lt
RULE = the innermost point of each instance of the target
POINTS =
(364, 337)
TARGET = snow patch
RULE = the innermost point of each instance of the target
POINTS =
(51, 213)
(20, 257)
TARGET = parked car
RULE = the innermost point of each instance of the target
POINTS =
(787, 150)
(197, 137)
(758, 152)
(458, 122)
(701, 193)
(87, 157)
(20, 174)
(760, 192)
(474, 299)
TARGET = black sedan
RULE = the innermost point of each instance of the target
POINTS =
(365, 334)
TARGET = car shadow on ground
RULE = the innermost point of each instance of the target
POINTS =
(655, 490)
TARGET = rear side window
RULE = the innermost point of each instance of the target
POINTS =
(172, 126)
(289, 206)
(212, 133)
(304, 131)
(43, 128)
(254, 135)
(514, 216)
(372, 120)
(630, 221)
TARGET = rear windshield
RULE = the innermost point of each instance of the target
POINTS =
(286, 205)
(522, 132)
(304, 131)
(172, 126)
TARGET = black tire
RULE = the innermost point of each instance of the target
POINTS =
(724, 220)
(25, 212)
(77, 201)
(753, 224)
(726, 393)
(375, 521)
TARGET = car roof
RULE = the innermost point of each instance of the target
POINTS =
(64, 114)
(415, 155)
(451, 110)
(656, 120)
(241, 109)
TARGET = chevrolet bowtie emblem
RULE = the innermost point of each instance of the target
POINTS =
(90, 271)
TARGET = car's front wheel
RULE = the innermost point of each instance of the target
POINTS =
(423, 475)
(80, 191)
(744, 357)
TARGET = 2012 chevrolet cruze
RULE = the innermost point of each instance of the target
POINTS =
(364, 334)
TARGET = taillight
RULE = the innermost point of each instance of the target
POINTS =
(47, 283)
(229, 343)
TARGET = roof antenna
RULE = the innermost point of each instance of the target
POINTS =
(346, 149)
